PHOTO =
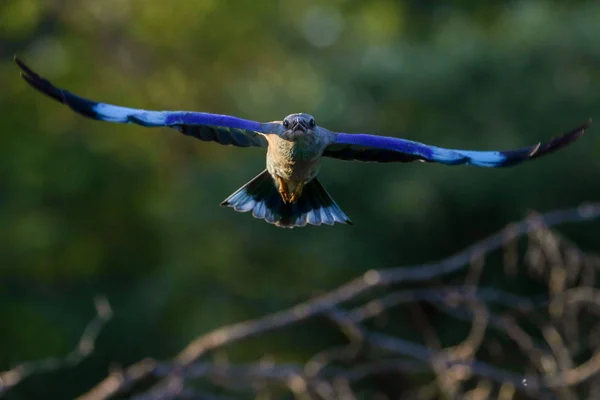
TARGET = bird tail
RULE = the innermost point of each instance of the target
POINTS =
(261, 196)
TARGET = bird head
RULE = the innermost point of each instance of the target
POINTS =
(298, 125)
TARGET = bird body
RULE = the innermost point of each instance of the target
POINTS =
(288, 193)
(296, 159)
(294, 153)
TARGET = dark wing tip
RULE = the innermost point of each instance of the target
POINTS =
(514, 157)
(19, 62)
(25, 70)
(580, 130)
(39, 83)
(562, 140)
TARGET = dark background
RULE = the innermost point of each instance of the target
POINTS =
(91, 208)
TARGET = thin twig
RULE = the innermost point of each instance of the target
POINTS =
(84, 348)
(461, 361)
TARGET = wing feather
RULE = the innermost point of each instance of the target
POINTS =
(373, 148)
(223, 129)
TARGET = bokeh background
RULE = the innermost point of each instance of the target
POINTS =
(91, 208)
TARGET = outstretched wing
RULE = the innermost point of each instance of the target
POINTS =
(372, 148)
(222, 129)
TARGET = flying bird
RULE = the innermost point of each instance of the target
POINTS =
(288, 193)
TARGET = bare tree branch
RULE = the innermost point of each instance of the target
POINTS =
(85, 347)
(373, 278)
(539, 327)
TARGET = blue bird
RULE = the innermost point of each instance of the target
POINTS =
(287, 193)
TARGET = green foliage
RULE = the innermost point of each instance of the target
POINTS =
(89, 207)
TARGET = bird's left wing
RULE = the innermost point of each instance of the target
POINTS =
(372, 148)
(223, 129)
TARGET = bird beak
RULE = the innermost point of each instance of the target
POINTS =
(299, 126)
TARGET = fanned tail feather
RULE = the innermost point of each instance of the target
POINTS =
(260, 195)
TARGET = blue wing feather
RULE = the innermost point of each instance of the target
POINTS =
(223, 129)
(373, 148)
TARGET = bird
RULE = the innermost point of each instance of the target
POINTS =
(287, 193)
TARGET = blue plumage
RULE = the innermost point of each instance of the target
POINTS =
(288, 193)
(373, 148)
(223, 129)
(260, 195)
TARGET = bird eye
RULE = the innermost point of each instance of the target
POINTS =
(312, 123)
(286, 124)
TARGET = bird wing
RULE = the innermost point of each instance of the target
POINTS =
(223, 129)
(373, 148)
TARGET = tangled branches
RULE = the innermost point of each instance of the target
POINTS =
(514, 345)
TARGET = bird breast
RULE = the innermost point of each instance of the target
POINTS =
(295, 159)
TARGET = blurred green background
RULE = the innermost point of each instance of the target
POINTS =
(92, 208)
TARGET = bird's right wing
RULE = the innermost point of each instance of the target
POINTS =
(223, 129)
